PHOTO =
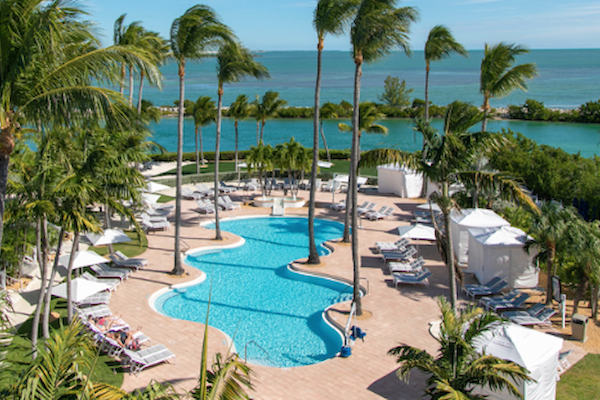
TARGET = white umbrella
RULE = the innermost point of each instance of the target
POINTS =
(83, 258)
(109, 236)
(80, 289)
(324, 164)
(154, 187)
(417, 231)
(426, 206)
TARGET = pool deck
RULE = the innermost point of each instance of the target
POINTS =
(399, 316)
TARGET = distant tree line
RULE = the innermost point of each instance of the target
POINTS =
(534, 110)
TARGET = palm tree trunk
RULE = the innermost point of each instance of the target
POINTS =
(486, 110)
(217, 146)
(139, 105)
(313, 255)
(69, 273)
(352, 187)
(123, 74)
(178, 268)
(426, 94)
(580, 293)
(107, 224)
(46, 315)
(201, 146)
(449, 249)
(130, 85)
(4, 160)
(549, 264)
(42, 236)
(197, 152)
(236, 143)
(257, 134)
(262, 129)
(325, 143)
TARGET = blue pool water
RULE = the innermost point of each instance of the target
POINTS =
(273, 315)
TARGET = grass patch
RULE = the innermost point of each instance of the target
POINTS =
(107, 370)
(581, 380)
(165, 199)
(137, 246)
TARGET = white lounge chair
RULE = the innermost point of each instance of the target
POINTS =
(251, 185)
(381, 215)
(234, 205)
(486, 291)
(363, 210)
(225, 188)
(114, 283)
(516, 302)
(103, 267)
(420, 278)
(124, 260)
(406, 255)
(341, 206)
(530, 312)
(372, 212)
(399, 245)
(223, 205)
(542, 318)
(139, 360)
(205, 207)
(97, 298)
(101, 273)
(410, 267)
(100, 310)
(155, 224)
(204, 190)
(188, 194)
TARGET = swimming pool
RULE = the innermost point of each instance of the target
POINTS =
(273, 315)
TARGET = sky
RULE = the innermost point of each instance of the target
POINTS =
(287, 24)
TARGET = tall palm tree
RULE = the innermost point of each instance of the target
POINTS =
(234, 63)
(330, 17)
(500, 75)
(268, 107)
(193, 36)
(239, 110)
(60, 61)
(377, 28)
(294, 158)
(458, 368)
(440, 45)
(158, 50)
(204, 112)
(260, 158)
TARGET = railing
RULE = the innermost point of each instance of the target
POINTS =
(367, 284)
(257, 345)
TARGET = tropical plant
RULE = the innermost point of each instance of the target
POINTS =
(193, 36)
(440, 45)
(377, 28)
(234, 63)
(395, 94)
(294, 158)
(499, 75)
(459, 368)
(330, 17)
(239, 110)
(59, 62)
(204, 112)
(266, 108)
(158, 49)
(260, 158)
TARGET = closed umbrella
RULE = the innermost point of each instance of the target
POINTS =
(83, 258)
(109, 236)
(80, 289)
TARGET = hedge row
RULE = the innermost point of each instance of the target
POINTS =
(230, 155)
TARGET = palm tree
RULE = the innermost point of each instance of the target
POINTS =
(459, 368)
(204, 112)
(53, 92)
(234, 63)
(260, 158)
(239, 110)
(440, 45)
(158, 49)
(330, 16)
(549, 229)
(584, 249)
(377, 28)
(499, 76)
(294, 158)
(328, 111)
(268, 107)
(193, 35)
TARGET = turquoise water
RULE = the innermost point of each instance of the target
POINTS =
(273, 315)
(567, 79)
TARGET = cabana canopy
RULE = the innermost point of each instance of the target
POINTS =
(500, 252)
(461, 221)
(401, 181)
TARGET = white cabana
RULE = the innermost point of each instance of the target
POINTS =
(499, 252)
(417, 231)
(534, 350)
(401, 181)
(461, 221)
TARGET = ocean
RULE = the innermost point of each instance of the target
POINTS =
(567, 79)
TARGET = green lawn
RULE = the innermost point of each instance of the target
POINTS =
(581, 381)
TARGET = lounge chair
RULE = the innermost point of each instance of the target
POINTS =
(487, 300)
(381, 215)
(224, 188)
(251, 185)
(188, 194)
(487, 291)
(516, 302)
(155, 224)
(204, 190)
(364, 210)
(97, 298)
(205, 207)
(410, 267)
(119, 263)
(479, 285)
(109, 281)
(381, 210)
(103, 267)
(530, 312)
(111, 347)
(231, 203)
(341, 206)
(223, 204)
(563, 362)
(101, 273)
(406, 255)
(100, 310)
(420, 278)
(399, 245)
(542, 318)
(128, 260)
(139, 360)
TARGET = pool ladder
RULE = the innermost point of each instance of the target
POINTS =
(257, 345)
